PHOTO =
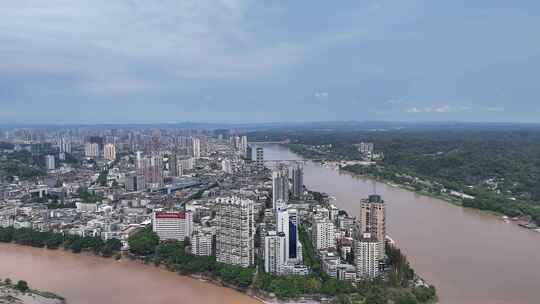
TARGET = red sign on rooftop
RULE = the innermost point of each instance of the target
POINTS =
(170, 215)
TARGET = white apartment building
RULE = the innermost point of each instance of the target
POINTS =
(186, 164)
(367, 251)
(172, 225)
(91, 150)
(226, 166)
(235, 231)
(196, 148)
(274, 252)
(65, 145)
(49, 162)
(201, 243)
(323, 234)
(109, 152)
(372, 220)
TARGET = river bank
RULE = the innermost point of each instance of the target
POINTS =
(172, 257)
(452, 197)
(519, 221)
(9, 294)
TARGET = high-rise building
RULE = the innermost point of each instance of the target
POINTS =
(151, 168)
(49, 162)
(96, 140)
(204, 145)
(372, 220)
(139, 160)
(323, 234)
(260, 158)
(187, 163)
(249, 153)
(131, 182)
(156, 170)
(184, 141)
(244, 146)
(367, 252)
(280, 187)
(109, 152)
(297, 181)
(172, 225)
(235, 231)
(91, 150)
(65, 145)
(201, 243)
(134, 182)
(226, 166)
(274, 252)
(196, 148)
(237, 142)
(173, 165)
(287, 223)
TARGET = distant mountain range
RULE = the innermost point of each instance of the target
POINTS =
(352, 125)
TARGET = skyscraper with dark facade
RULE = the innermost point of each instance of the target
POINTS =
(297, 181)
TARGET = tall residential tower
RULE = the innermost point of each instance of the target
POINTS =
(297, 181)
(235, 231)
(372, 220)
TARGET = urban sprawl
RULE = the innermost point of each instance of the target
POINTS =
(212, 190)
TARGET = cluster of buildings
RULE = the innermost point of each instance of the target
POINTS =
(367, 151)
(210, 190)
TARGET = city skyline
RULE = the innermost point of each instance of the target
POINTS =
(245, 61)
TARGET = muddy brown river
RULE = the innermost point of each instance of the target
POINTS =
(84, 279)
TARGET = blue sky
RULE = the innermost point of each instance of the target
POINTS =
(102, 61)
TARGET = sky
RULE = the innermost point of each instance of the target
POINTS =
(166, 61)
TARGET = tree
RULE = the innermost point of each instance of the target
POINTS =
(143, 242)
(76, 246)
(6, 234)
(22, 286)
(111, 246)
(407, 299)
(54, 240)
(424, 294)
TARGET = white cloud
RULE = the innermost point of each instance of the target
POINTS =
(321, 95)
(495, 109)
(413, 110)
(438, 109)
(443, 109)
(101, 38)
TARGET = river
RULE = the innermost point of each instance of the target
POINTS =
(470, 256)
(85, 279)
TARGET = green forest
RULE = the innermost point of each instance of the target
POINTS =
(53, 240)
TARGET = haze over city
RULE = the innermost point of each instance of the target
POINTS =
(268, 61)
